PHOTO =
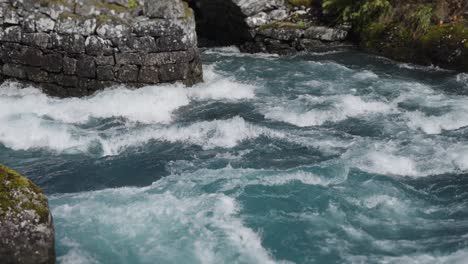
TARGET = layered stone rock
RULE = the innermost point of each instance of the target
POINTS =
(26, 228)
(275, 26)
(76, 47)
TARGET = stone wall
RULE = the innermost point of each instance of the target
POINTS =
(76, 47)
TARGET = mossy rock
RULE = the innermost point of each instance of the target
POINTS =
(284, 24)
(187, 10)
(110, 6)
(26, 226)
(46, 3)
(17, 194)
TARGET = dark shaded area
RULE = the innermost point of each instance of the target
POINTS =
(219, 23)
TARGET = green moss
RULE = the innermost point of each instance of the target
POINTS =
(306, 3)
(188, 11)
(10, 182)
(132, 4)
(108, 18)
(67, 15)
(284, 24)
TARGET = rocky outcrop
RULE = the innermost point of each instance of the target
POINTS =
(76, 47)
(26, 228)
(428, 32)
(275, 26)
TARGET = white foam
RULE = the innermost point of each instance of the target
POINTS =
(33, 120)
(454, 119)
(386, 201)
(234, 178)
(300, 176)
(207, 134)
(420, 67)
(457, 257)
(385, 163)
(218, 87)
(75, 254)
(234, 51)
(343, 107)
(323, 53)
(29, 132)
(463, 79)
(365, 75)
(460, 158)
(159, 225)
(147, 105)
(417, 156)
(454, 108)
(151, 104)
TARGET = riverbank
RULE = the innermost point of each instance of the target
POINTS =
(426, 32)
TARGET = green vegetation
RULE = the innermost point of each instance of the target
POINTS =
(420, 18)
(416, 30)
(449, 35)
(18, 193)
(306, 3)
(357, 12)
(132, 4)
(67, 15)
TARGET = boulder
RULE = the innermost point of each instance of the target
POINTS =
(326, 33)
(26, 226)
(164, 9)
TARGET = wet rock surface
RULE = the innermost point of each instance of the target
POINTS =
(26, 226)
(76, 47)
(266, 26)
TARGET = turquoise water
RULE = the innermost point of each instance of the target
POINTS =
(336, 157)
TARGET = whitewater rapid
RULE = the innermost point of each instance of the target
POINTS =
(314, 158)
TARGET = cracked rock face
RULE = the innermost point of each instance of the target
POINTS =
(76, 47)
(26, 227)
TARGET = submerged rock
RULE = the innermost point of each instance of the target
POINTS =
(26, 226)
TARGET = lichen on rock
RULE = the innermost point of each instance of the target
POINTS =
(26, 227)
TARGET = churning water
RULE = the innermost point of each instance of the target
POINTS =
(335, 157)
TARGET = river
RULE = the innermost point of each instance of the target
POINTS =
(334, 157)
